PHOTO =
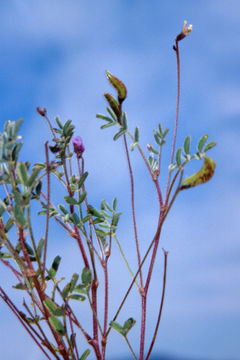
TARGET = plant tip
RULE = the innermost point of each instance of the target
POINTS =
(41, 111)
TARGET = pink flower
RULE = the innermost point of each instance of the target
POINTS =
(78, 146)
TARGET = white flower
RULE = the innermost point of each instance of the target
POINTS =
(186, 30)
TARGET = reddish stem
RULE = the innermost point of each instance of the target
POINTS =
(77, 236)
(94, 305)
(41, 294)
(161, 305)
(176, 48)
(26, 325)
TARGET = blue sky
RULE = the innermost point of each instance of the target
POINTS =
(53, 54)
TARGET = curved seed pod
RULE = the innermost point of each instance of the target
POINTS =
(118, 85)
(114, 105)
(202, 176)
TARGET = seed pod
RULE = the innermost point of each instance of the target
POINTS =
(114, 105)
(202, 176)
(118, 85)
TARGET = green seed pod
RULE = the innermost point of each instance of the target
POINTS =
(114, 105)
(202, 176)
(118, 85)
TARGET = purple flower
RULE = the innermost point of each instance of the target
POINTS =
(78, 146)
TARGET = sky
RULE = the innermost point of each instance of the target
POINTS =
(53, 55)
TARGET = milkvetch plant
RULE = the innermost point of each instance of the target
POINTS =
(47, 312)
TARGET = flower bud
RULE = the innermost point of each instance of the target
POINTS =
(185, 31)
(41, 111)
(78, 146)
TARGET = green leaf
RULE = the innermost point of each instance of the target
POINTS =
(201, 142)
(82, 197)
(187, 145)
(70, 200)
(54, 268)
(202, 176)
(33, 176)
(63, 209)
(127, 326)
(75, 219)
(111, 113)
(157, 139)
(60, 125)
(56, 324)
(86, 218)
(71, 339)
(210, 146)
(104, 117)
(160, 129)
(136, 134)
(67, 128)
(82, 179)
(86, 277)
(94, 211)
(116, 326)
(40, 247)
(118, 134)
(178, 157)
(38, 188)
(153, 150)
(108, 125)
(77, 297)
(66, 291)
(2, 209)
(80, 289)
(114, 204)
(106, 205)
(51, 274)
(4, 255)
(29, 249)
(56, 262)
(16, 151)
(8, 225)
(19, 215)
(18, 123)
(73, 281)
(165, 133)
(19, 286)
(115, 219)
(124, 121)
(85, 354)
(53, 308)
(22, 173)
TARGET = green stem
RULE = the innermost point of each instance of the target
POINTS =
(131, 349)
(124, 258)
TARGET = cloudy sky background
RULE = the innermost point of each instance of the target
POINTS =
(53, 55)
